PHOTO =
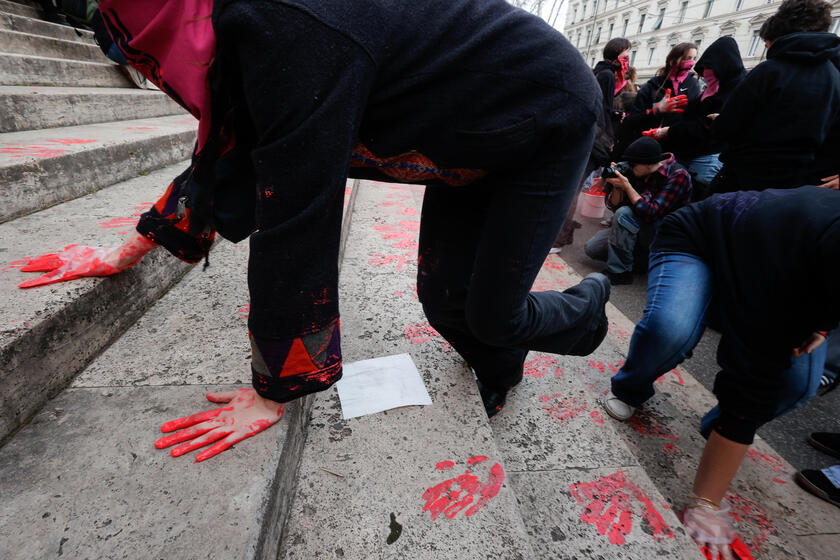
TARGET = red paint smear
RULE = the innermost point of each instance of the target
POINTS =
(476, 459)
(774, 462)
(669, 448)
(608, 504)
(244, 311)
(539, 365)
(69, 141)
(602, 367)
(443, 465)
(452, 496)
(410, 225)
(648, 424)
(118, 223)
(675, 373)
(399, 260)
(418, 333)
(546, 284)
(597, 417)
(408, 212)
(551, 264)
(622, 334)
(754, 516)
(141, 128)
(16, 264)
(18, 151)
(779, 481)
(564, 409)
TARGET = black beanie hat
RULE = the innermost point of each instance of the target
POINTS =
(644, 150)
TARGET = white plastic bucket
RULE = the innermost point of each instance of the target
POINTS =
(591, 205)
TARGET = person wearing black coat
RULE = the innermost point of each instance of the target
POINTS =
(777, 121)
(690, 138)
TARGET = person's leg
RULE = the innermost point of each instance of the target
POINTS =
(480, 252)
(679, 292)
(704, 168)
(622, 239)
(598, 245)
(801, 382)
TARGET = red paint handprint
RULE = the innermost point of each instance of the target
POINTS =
(609, 505)
(453, 496)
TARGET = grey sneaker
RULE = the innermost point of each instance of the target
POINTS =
(617, 408)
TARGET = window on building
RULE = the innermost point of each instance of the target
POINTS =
(574, 14)
(583, 16)
(650, 55)
(632, 57)
(588, 36)
(642, 22)
(598, 35)
(708, 11)
(610, 35)
(738, 5)
(616, 5)
(658, 23)
(595, 8)
(626, 23)
(698, 42)
(835, 26)
(683, 8)
(577, 41)
(754, 43)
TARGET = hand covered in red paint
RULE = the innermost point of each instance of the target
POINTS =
(656, 133)
(245, 415)
(811, 343)
(832, 182)
(669, 104)
(709, 527)
(77, 261)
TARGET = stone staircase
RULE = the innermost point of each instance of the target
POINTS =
(90, 369)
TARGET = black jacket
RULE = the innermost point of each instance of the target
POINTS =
(778, 119)
(638, 120)
(774, 257)
(691, 136)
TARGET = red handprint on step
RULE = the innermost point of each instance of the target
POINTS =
(453, 496)
(609, 505)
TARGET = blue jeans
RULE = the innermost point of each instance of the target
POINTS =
(678, 297)
(616, 244)
(704, 168)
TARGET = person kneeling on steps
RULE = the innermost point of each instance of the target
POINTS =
(646, 186)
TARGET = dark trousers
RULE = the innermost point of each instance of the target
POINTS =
(481, 248)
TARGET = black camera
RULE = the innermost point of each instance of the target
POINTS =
(623, 167)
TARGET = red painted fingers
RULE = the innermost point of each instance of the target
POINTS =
(187, 433)
(222, 396)
(44, 263)
(206, 439)
(223, 445)
(191, 420)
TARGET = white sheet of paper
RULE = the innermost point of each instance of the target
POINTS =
(371, 386)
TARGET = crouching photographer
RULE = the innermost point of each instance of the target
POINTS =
(642, 189)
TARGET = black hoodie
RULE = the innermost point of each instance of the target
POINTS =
(692, 137)
(778, 119)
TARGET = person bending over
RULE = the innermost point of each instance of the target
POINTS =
(654, 185)
(769, 262)
(485, 104)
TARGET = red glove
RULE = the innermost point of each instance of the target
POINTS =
(669, 104)
(246, 415)
(656, 133)
(76, 261)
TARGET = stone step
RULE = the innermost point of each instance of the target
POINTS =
(569, 466)
(48, 334)
(232, 506)
(358, 475)
(43, 167)
(36, 107)
(36, 26)
(774, 517)
(19, 42)
(17, 8)
(30, 70)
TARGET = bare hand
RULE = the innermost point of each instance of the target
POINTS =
(812, 343)
(656, 133)
(713, 116)
(77, 261)
(246, 415)
(832, 182)
(710, 528)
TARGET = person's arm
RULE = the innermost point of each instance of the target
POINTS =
(650, 206)
(741, 107)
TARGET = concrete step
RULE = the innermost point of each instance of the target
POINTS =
(48, 334)
(35, 107)
(30, 70)
(145, 503)
(18, 8)
(37, 26)
(775, 518)
(385, 463)
(20, 42)
(43, 167)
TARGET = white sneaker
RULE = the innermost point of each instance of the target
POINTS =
(617, 408)
(554, 250)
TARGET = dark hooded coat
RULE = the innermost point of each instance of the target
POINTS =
(777, 121)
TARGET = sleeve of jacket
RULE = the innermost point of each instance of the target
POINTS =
(741, 108)
(167, 223)
(306, 87)
(653, 206)
(692, 132)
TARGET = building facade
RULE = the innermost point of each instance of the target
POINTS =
(654, 26)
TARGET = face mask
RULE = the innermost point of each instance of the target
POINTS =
(625, 64)
(712, 83)
(687, 65)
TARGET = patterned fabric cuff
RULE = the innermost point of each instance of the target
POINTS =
(287, 369)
